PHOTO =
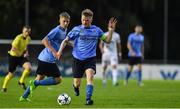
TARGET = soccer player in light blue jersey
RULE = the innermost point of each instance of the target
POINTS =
(136, 53)
(48, 56)
(85, 38)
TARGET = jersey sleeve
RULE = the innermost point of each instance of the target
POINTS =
(29, 39)
(16, 41)
(143, 38)
(51, 35)
(129, 38)
(101, 34)
(73, 33)
(118, 38)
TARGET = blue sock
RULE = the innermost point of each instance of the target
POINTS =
(128, 75)
(45, 82)
(26, 93)
(139, 76)
(89, 91)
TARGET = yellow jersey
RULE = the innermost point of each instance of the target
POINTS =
(20, 44)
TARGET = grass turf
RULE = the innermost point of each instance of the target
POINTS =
(154, 94)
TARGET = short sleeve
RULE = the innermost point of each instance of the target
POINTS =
(29, 39)
(100, 32)
(129, 38)
(118, 38)
(73, 33)
(16, 41)
(143, 38)
(51, 35)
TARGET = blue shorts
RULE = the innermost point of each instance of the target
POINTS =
(79, 66)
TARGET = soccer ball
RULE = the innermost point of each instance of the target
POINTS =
(64, 99)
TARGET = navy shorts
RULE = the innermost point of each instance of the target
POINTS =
(80, 66)
(48, 69)
(135, 60)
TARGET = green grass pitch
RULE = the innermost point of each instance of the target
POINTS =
(154, 94)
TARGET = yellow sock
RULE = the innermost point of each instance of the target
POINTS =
(24, 75)
(7, 79)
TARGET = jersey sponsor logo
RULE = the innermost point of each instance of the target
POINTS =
(168, 75)
(88, 37)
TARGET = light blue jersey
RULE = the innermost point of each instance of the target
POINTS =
(136, 41)
(55, 37)
(85, 41)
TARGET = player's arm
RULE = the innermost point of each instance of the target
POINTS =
(15, 44)
(70, 43)
(111, 27)
(62, 46)
(130, 49)
(26, 52)
(14, 49)
(119, 49)
(142, 50)
(101, 46)
(46, 43)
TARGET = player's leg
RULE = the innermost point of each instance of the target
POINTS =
(114, 64)
(90, 70)
(115, 75)
(24, 97)
(89, 87)
(46, 82)
(76, 85)
(104, 67)
(78, 71)
(128, 74)
(50, 70)
(25, 73)
(129, 70)
(139, 74)
(8, 77)
(104, 81)
(13, 62)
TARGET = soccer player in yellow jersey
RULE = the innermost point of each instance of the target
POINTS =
(18, 56)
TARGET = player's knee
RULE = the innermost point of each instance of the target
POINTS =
(27, 66)
(10, 75)
(114, 66)
(90, 79)
(77, 82)
(58, 80)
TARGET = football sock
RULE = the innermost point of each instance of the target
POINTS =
(24, 75)
(139, 76)
(128, 75)
(45, 82)
(89, 91)
(114, 76)
(7, 79)
(26, 93)
(104, 77)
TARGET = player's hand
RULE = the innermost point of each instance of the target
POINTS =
(55, 54)
(133, 53)
(142, 57)
(112, 23)
(102, 51)
(119, 56)
(59, 55)
(26, 55)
